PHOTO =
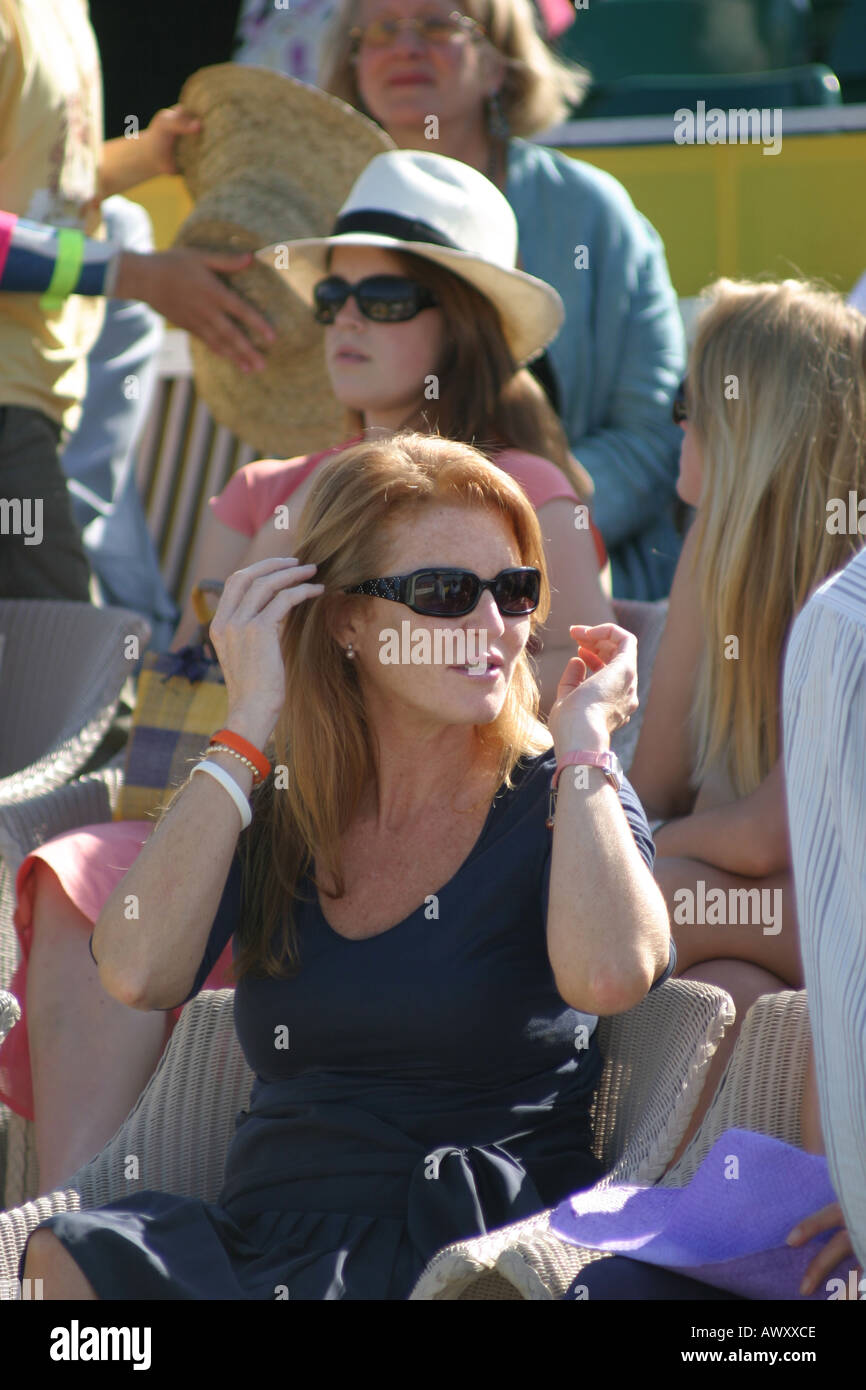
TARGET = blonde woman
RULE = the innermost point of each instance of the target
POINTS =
(402, 905)
(473, 82)
(774, 436)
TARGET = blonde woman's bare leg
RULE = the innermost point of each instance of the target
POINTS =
(90, 1057)
(811, 1134)
(702, 900)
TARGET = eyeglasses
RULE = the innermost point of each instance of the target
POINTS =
(679, 410)
(382, 298)
(430, 28)
(452, 593)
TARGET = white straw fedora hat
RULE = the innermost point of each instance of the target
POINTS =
(446, 211)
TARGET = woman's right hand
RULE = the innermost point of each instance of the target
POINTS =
(245, 632)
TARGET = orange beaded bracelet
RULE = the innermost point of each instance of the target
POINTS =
(246, 750)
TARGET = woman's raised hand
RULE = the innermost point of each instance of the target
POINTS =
(245, 632)
(598, 689)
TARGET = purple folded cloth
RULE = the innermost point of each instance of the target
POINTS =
(726, 1228)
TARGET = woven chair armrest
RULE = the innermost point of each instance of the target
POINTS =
(762, 1088)
(179, 1131)
(657, 1056)
(86, 649)
(524, 1261)
(10, 1012)
(15, 1227)
(27, 824)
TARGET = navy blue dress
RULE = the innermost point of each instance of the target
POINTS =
(434, 1086)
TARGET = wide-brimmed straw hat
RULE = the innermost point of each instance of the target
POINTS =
(447, 212)
(273, 161)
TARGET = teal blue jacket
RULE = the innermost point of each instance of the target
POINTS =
(618, 358)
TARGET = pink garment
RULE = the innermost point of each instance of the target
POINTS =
(89, 864)
(558, 15)
(251, 495)
(7, 227)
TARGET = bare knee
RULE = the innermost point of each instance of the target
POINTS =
(53, 909)
(47, 1259)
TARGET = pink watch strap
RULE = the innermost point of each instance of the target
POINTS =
(580, 758)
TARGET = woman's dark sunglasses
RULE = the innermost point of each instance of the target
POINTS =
(680, 409)
(452, 593)
(382, 298)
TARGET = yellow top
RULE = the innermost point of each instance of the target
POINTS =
(50, 144)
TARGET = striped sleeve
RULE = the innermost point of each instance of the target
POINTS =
(29, 253)
(825, 770)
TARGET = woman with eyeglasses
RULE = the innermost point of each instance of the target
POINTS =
(406, 902)
(473, 83)
(773, 416)
(428, 338)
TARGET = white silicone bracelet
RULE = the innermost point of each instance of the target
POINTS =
(226, 780)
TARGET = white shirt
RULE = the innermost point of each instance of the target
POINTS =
(825, 770)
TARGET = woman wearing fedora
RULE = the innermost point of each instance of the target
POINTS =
(411, 908)
(469, 83)
(425, 322)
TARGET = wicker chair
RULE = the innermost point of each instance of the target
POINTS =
(761, 1090)
(176, 1138)
(62, 669)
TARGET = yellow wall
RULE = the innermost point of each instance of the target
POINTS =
(732, 210)
(721, 209)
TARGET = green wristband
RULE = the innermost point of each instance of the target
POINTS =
(67, 269)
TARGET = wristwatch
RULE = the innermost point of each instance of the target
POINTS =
(608, 762)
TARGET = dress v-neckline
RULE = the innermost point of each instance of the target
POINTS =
(498, 798)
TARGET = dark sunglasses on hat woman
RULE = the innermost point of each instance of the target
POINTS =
(452, 593)
(679, 411)
(382, 298)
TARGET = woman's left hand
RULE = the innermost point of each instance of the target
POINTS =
(598, 688)
(829, 1218)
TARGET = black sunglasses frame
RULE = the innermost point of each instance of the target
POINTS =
(400, 588)
(679, 409)
(416, 298)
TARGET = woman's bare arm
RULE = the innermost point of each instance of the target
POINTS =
(608, 933)
(149, 960)
(662, 766)
(576, 592)
(221, 552)
(749, 836)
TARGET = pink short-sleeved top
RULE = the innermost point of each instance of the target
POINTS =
(251, 496)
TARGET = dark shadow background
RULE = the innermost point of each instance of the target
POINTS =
(148, 50)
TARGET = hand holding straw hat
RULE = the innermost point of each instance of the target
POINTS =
(272, 161)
